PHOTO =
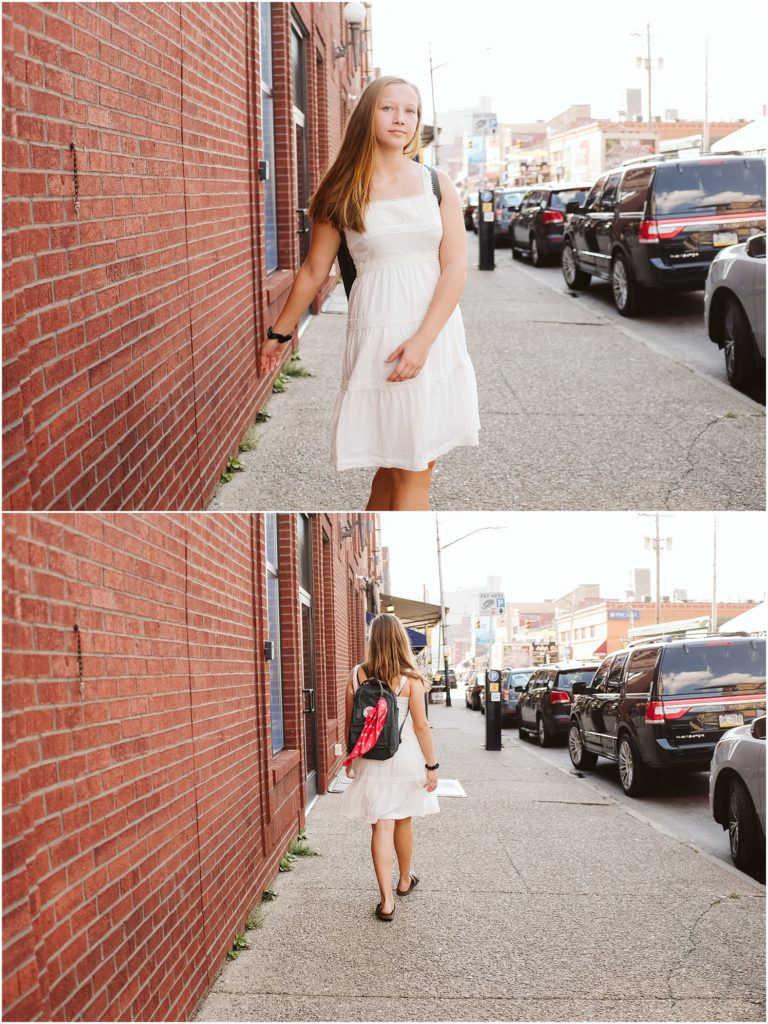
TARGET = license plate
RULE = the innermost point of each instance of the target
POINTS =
(729, 720)
(725, 238)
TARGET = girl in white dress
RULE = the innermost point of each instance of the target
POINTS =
(388, 794)
(408, 391)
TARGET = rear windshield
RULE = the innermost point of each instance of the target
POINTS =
(565, 680)
(558, 200)
(518, 678)
(709, 187)
(726, 666)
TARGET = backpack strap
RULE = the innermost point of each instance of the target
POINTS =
(346, 265)
(356, 679)
(435, 184)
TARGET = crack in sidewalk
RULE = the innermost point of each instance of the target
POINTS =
(692, 463)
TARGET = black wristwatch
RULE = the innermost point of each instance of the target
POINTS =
(280, 338)
(431, 767)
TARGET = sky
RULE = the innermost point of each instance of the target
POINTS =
(535, 62)
(543, 555)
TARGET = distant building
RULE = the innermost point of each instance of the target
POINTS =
(641, 584)
(633, 104)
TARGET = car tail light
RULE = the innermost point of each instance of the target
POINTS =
(553, 217)
(657, 230)
(498, 215)
(654, 712)
(559, 697)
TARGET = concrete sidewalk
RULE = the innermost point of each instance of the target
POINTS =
(576, 413)
(539, 899)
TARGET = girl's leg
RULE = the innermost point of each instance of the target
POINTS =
(404, 850)
(382, 851)
(381, 492)
(410, 491)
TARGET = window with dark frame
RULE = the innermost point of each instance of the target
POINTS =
(273, 619)
(268, 136)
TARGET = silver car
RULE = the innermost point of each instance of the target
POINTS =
(737, 793)
(734, 311)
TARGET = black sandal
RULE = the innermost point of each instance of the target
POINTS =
(404, 892)
(381, 915)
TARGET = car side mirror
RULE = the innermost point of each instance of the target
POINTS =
(758, 728)
(756, 246)
(573, 207)
(519, 689)
(578, 688)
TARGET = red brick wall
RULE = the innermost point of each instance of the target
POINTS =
(131, 330)
(141, 797)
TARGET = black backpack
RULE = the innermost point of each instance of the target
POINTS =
(347, 264)
(367, 695)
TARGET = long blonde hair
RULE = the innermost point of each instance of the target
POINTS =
(389, 653)
(342, 195)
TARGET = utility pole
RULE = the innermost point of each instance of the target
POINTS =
(442, 597)
(647, 63)
(713, 616)
(656, 543)
(705, 126)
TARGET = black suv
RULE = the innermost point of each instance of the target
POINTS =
(544, 706)
(537, 227)
(659, 223)
(665, 704)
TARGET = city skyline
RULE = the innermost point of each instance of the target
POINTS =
(543, 555)
(522, 78)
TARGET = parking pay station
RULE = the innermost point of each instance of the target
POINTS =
(486, 229)
(493, 709)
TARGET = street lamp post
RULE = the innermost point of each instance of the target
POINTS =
(440, 549)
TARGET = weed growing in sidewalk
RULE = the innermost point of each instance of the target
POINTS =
(279, 384)
(238, 946)
(257, 919)
(234, 465)
(249, 443)
(295, 369)
(262, 416)
(268, 895)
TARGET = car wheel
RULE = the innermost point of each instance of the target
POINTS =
(515, 252)
(574, 278)
(633, 774)
(580, 756)
(739, 347)
(537, 259)
(522, 734)
(627, 293)
(743, 828)
(482, 710)
(542, 733)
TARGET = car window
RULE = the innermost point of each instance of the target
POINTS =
(517, 679)
(640, 671)
(565, 680)
(614, 676)
(532, 199)
(602, 673)
(720, 666)
(594, 195)
(610, 191)
(557, 200)
(634, 189)
(709, 186)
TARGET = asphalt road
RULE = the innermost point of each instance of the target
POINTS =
(677, 805)
(673, 323)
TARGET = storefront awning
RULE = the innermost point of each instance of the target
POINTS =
(417, 614)
(418, 640)
(603, 648)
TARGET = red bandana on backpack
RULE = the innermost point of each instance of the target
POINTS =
(374, 723)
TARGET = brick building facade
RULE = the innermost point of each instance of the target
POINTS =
(145, 252)
(156, 763)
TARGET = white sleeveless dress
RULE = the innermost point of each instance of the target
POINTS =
(407, 424)
(393, 788)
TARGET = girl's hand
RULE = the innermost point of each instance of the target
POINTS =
(350, 770)
(411, 356)
(431, 784)
(270, 355)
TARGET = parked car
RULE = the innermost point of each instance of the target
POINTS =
(513, 684)
(737, 794)
(472, 692)
(656, 223)
(537, 227)
(468, 208)
(438, 680)
(505, 206)
(664, 704)
(734, 311)
(544, 706)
